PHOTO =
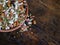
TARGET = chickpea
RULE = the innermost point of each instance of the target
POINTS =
(20, 0)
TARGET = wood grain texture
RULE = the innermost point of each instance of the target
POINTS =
(47, 30)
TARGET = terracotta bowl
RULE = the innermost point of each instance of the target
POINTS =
(16, 28)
